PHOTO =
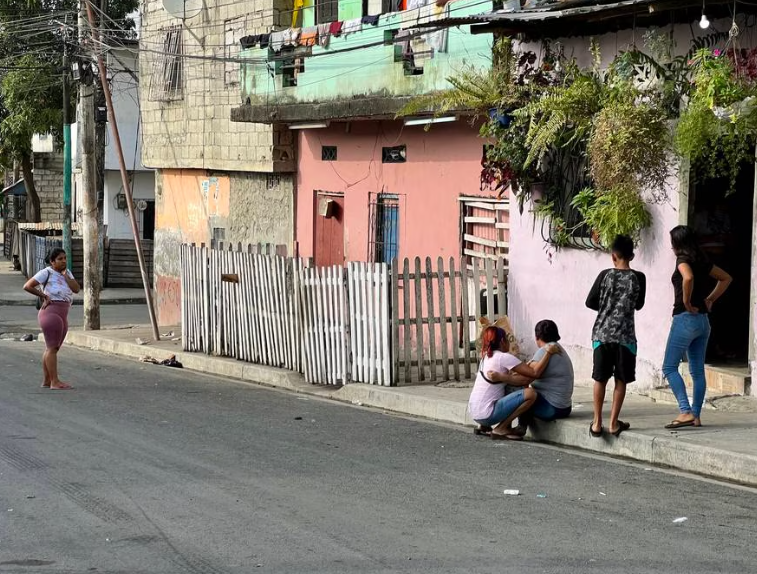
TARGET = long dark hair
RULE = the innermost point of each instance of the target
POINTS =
(684, 242)
(53, 254)
(491, 340)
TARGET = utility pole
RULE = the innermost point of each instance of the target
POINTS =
(100, 131)
(89, 188)
(66, 152)
(124, 172)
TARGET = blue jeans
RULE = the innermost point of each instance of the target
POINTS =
(689, 334)
(503, 408)
(544, 411)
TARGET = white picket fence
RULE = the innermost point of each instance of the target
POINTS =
(332, 324)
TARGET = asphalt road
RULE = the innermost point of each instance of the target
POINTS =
(148, 469)
(23, 319)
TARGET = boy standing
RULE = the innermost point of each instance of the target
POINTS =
(616, 295)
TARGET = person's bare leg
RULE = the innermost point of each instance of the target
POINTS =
(52, 368)
(45, 371)
(504, 427)
(599, 401)
(618, 396)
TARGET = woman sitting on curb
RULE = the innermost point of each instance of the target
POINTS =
(488, 405)
(554, 388)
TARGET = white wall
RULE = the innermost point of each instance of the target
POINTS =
(117, 220)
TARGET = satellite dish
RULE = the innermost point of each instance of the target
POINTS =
(183, 9)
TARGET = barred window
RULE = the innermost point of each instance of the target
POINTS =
(384, 213)
(168, 68)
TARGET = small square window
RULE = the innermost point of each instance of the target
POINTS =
(328, 153)
(396, 154)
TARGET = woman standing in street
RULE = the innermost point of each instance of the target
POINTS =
(690, 329)
(56, 295)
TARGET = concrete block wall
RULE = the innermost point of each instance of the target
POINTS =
(195, 131)
(48, 179)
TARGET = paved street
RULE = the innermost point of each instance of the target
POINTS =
(151, 469)
(23, 319)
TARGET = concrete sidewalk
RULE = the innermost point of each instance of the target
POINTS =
(12, 292)
(724, 448)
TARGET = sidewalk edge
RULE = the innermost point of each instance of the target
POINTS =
(662, 451)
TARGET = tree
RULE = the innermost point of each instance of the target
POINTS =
(33, 34)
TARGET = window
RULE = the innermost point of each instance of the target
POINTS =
(233, 32)
(396, 154)
(328, 153)
(384, 213)
(168, 68)
(326, 11)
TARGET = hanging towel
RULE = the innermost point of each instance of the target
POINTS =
(277, 40)
(336, 28)
(437, 40)
(249, 41)
(352, 26)
(370, 20)
(265, 40)
(324, 35)
(291, 36)
(309, 36)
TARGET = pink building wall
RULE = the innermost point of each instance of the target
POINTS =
(442, 164)
(540, 288)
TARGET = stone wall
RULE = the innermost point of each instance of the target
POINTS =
(48, 179)
(194, 130)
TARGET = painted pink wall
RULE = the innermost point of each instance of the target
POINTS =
(542, 289)
(442, 164)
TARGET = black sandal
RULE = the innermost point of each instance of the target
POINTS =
(596, 434)
(482, 431)
(621, 427)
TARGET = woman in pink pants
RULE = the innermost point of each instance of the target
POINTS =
(57, 294)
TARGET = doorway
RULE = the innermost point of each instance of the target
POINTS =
(723, 220)
(328, 229)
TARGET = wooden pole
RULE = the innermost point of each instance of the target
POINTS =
(124, 174)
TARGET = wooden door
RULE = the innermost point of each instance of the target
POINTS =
(328, 229)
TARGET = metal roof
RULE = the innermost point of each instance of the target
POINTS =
(540, 13)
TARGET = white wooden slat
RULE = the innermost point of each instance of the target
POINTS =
(343, 327)
(480, 254)
(386, 326)
(328, 308)
(488, 220)
(474, 199)
(502, 225)
(354, 322)
(479, 240)
(322, 334)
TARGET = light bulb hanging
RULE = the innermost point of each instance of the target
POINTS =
(704, 23)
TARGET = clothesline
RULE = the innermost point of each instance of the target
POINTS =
(418, 11)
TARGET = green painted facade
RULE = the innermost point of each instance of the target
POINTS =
(346, 70)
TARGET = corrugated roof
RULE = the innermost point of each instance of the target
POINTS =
(543, 12)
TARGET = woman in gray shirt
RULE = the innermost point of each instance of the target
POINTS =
(554, 388)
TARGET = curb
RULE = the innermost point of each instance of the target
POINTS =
(656, 450)
(77, 302)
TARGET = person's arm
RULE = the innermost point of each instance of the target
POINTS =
(592, 301)
(687, 286)
(534, 371)
(642, 291)
(723, 281)
(510, 378)
(31, 286)
(72, 283)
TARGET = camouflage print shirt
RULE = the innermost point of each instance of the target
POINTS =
(616, 295)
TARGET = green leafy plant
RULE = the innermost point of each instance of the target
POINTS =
(629, 145)
(617, 211)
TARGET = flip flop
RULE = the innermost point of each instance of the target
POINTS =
(482, 431)
(679, 424)
(596, 434)
(506, 437)
(622, 426)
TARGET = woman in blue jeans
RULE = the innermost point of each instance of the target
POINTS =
(690, 329)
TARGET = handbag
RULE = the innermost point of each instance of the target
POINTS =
(44, 286)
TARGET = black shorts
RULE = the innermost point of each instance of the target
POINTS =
(614, 360)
